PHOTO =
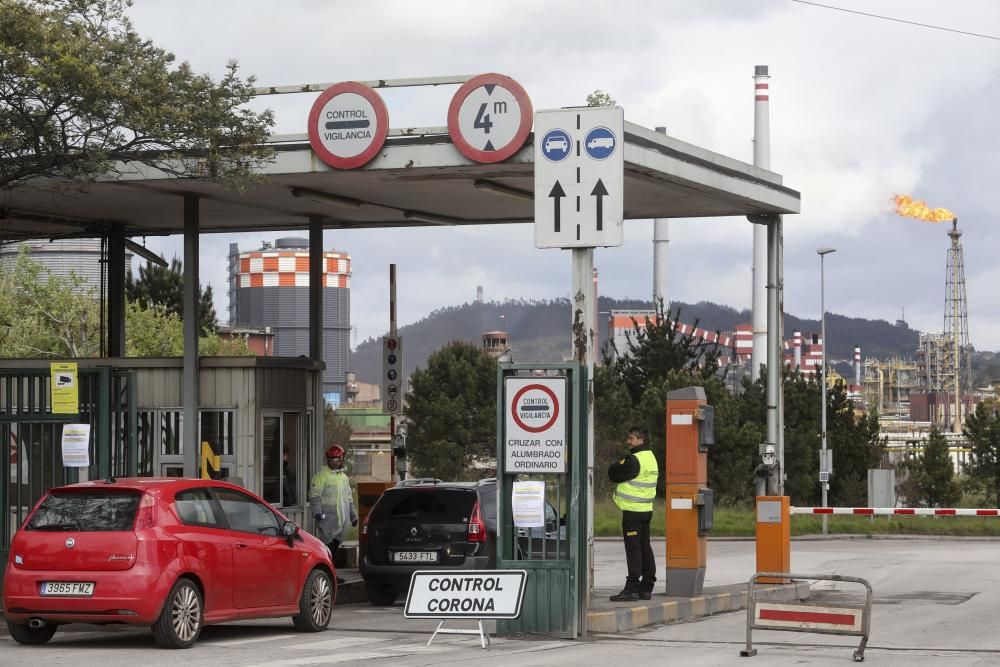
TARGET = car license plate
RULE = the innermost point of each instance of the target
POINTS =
(415, 556)
(68, 588)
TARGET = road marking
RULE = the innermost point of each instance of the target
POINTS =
(250, 640)
(339, 643)
(323, 660)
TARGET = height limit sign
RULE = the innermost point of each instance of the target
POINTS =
(535, 425)
(579, 176)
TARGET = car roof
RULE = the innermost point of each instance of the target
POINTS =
(425, 483)
(156, 485)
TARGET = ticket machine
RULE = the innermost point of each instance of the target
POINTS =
(690, 432)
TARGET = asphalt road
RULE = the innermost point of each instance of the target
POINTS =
(937, 602)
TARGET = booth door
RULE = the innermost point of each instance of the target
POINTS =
(282, 462)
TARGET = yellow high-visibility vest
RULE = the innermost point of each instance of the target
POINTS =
(636, 495)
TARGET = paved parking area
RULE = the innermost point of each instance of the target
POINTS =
(936, 603)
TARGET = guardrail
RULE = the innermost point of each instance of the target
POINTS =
(826, 620)
(896, 511)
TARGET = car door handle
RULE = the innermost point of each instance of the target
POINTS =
(241, 545)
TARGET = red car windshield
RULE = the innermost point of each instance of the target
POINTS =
(96, 510)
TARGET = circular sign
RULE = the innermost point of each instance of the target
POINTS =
(391, 344)
(600, 143)
(532, 411)
(348, 124)
(489, 118)
(556, 145)
(392, 371)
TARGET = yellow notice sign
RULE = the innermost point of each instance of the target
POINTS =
(65, 389)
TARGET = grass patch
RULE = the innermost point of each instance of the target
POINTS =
(740, 522)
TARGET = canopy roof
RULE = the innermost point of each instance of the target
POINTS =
(419, 178)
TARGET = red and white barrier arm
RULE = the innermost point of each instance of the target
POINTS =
(895, 511)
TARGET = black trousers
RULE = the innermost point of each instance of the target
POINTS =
(638, 552)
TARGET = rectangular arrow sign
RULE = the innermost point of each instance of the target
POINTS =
(579, 175)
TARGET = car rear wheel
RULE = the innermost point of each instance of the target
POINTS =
(181, 620)
(380, 595)
(24, 634)
(316, 603)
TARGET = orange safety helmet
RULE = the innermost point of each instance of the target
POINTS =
(335, 452)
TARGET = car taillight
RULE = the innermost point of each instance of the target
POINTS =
(363, 533)
(477, 529)
(146, 516)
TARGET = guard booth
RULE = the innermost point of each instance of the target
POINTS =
(542, 493)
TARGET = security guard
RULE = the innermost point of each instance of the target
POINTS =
(331, 501)
(636, 476)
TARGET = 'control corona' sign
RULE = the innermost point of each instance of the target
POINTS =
(535, 433)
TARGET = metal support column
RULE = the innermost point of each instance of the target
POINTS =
(316, 262)
(774, 353)
(190, 383)
(116, 292)
(661, 246)
(583, 352)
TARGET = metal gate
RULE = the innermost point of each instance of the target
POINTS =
(32, 435)
(553, 555)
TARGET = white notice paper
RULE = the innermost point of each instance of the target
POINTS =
(528, 504)
(76, 445)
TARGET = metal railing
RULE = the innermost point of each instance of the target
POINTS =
(825, 620)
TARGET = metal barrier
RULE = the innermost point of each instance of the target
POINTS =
(897, 511)
(825, 620)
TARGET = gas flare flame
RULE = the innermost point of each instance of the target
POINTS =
(911, 208)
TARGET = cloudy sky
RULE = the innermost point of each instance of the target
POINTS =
(861, 108)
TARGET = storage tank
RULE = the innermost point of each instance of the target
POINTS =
(272, 290)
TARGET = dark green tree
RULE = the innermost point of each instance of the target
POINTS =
(82, 95)
(934, 474)
(164, 286)
(632, 387)
(982, 428)
(451, 409)
(852, 437)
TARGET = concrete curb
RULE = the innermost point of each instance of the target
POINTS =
(677, 609)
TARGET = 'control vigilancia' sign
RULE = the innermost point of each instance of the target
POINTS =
(465, 594)
(535, 425)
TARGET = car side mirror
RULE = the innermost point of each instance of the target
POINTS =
(289, 530)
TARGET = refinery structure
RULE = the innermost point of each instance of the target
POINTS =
(931, 388)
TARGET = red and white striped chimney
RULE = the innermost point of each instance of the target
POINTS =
(857, 366)
(797, 349)
(762, 159)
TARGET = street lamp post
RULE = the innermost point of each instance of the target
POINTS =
(824, 483)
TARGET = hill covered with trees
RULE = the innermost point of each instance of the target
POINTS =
(539, 331)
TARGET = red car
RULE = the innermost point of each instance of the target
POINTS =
(174, 554)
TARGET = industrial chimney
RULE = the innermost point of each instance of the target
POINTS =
(762, 159)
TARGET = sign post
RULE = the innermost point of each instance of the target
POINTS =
(348, 124)
(489, 118)
(579, 177)
(580, 204)
(535, 433)
(474, 594)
